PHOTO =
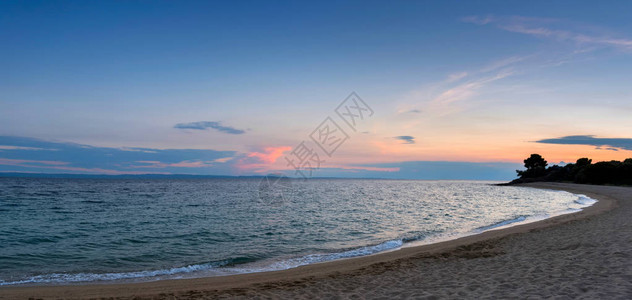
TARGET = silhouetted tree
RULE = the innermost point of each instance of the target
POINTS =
(582, 162)
(579, 165)
(599, 173)
(536, 167)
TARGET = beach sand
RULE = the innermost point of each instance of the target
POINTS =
(581, 255)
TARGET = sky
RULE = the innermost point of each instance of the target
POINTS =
(397, 89)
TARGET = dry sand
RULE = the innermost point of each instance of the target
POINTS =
(585, 255)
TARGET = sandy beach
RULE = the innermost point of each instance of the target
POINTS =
(580, 255)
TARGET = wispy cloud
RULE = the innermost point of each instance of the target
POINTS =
(137, 150)
(456, 76)
(361, 168)
(203, 125)
(17, 162)
(555, 29)
(590, 140)
(182, 164)
(408, 111)
(454, 93)
(62, 166)
(504, 63)
(70, 157)
(5, 147)
(465, 85)
(468, 89)
(406, 138)
(461, 89)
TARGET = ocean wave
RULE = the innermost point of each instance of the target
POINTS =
(256, 262)
(224, 267)
(501, 224)
(58, 278)
(89, 277)
(584, 200)
(318, 258)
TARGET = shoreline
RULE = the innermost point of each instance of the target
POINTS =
(471, 246)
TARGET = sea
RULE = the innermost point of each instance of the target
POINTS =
(77, 231)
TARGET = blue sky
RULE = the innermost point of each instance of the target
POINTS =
(468, 84)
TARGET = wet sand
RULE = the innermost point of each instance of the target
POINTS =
(582, 255)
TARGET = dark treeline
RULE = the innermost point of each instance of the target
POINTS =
(583, 171)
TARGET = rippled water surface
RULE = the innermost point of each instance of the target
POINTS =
(78, 230)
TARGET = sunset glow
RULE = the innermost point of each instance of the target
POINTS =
(218, 100)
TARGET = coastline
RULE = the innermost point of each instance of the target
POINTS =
(381, 267)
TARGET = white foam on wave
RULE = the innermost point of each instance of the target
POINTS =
(318, 258)
(180, 272)
(585, 200)
(578, 204)
(93, 277)
(501, 224)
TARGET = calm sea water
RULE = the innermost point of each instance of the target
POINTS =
(85, 230)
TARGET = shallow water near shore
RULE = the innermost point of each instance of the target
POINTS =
(60, 231)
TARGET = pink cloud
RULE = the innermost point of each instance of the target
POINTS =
(262, 161)
(223, 160)
(271, 154)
